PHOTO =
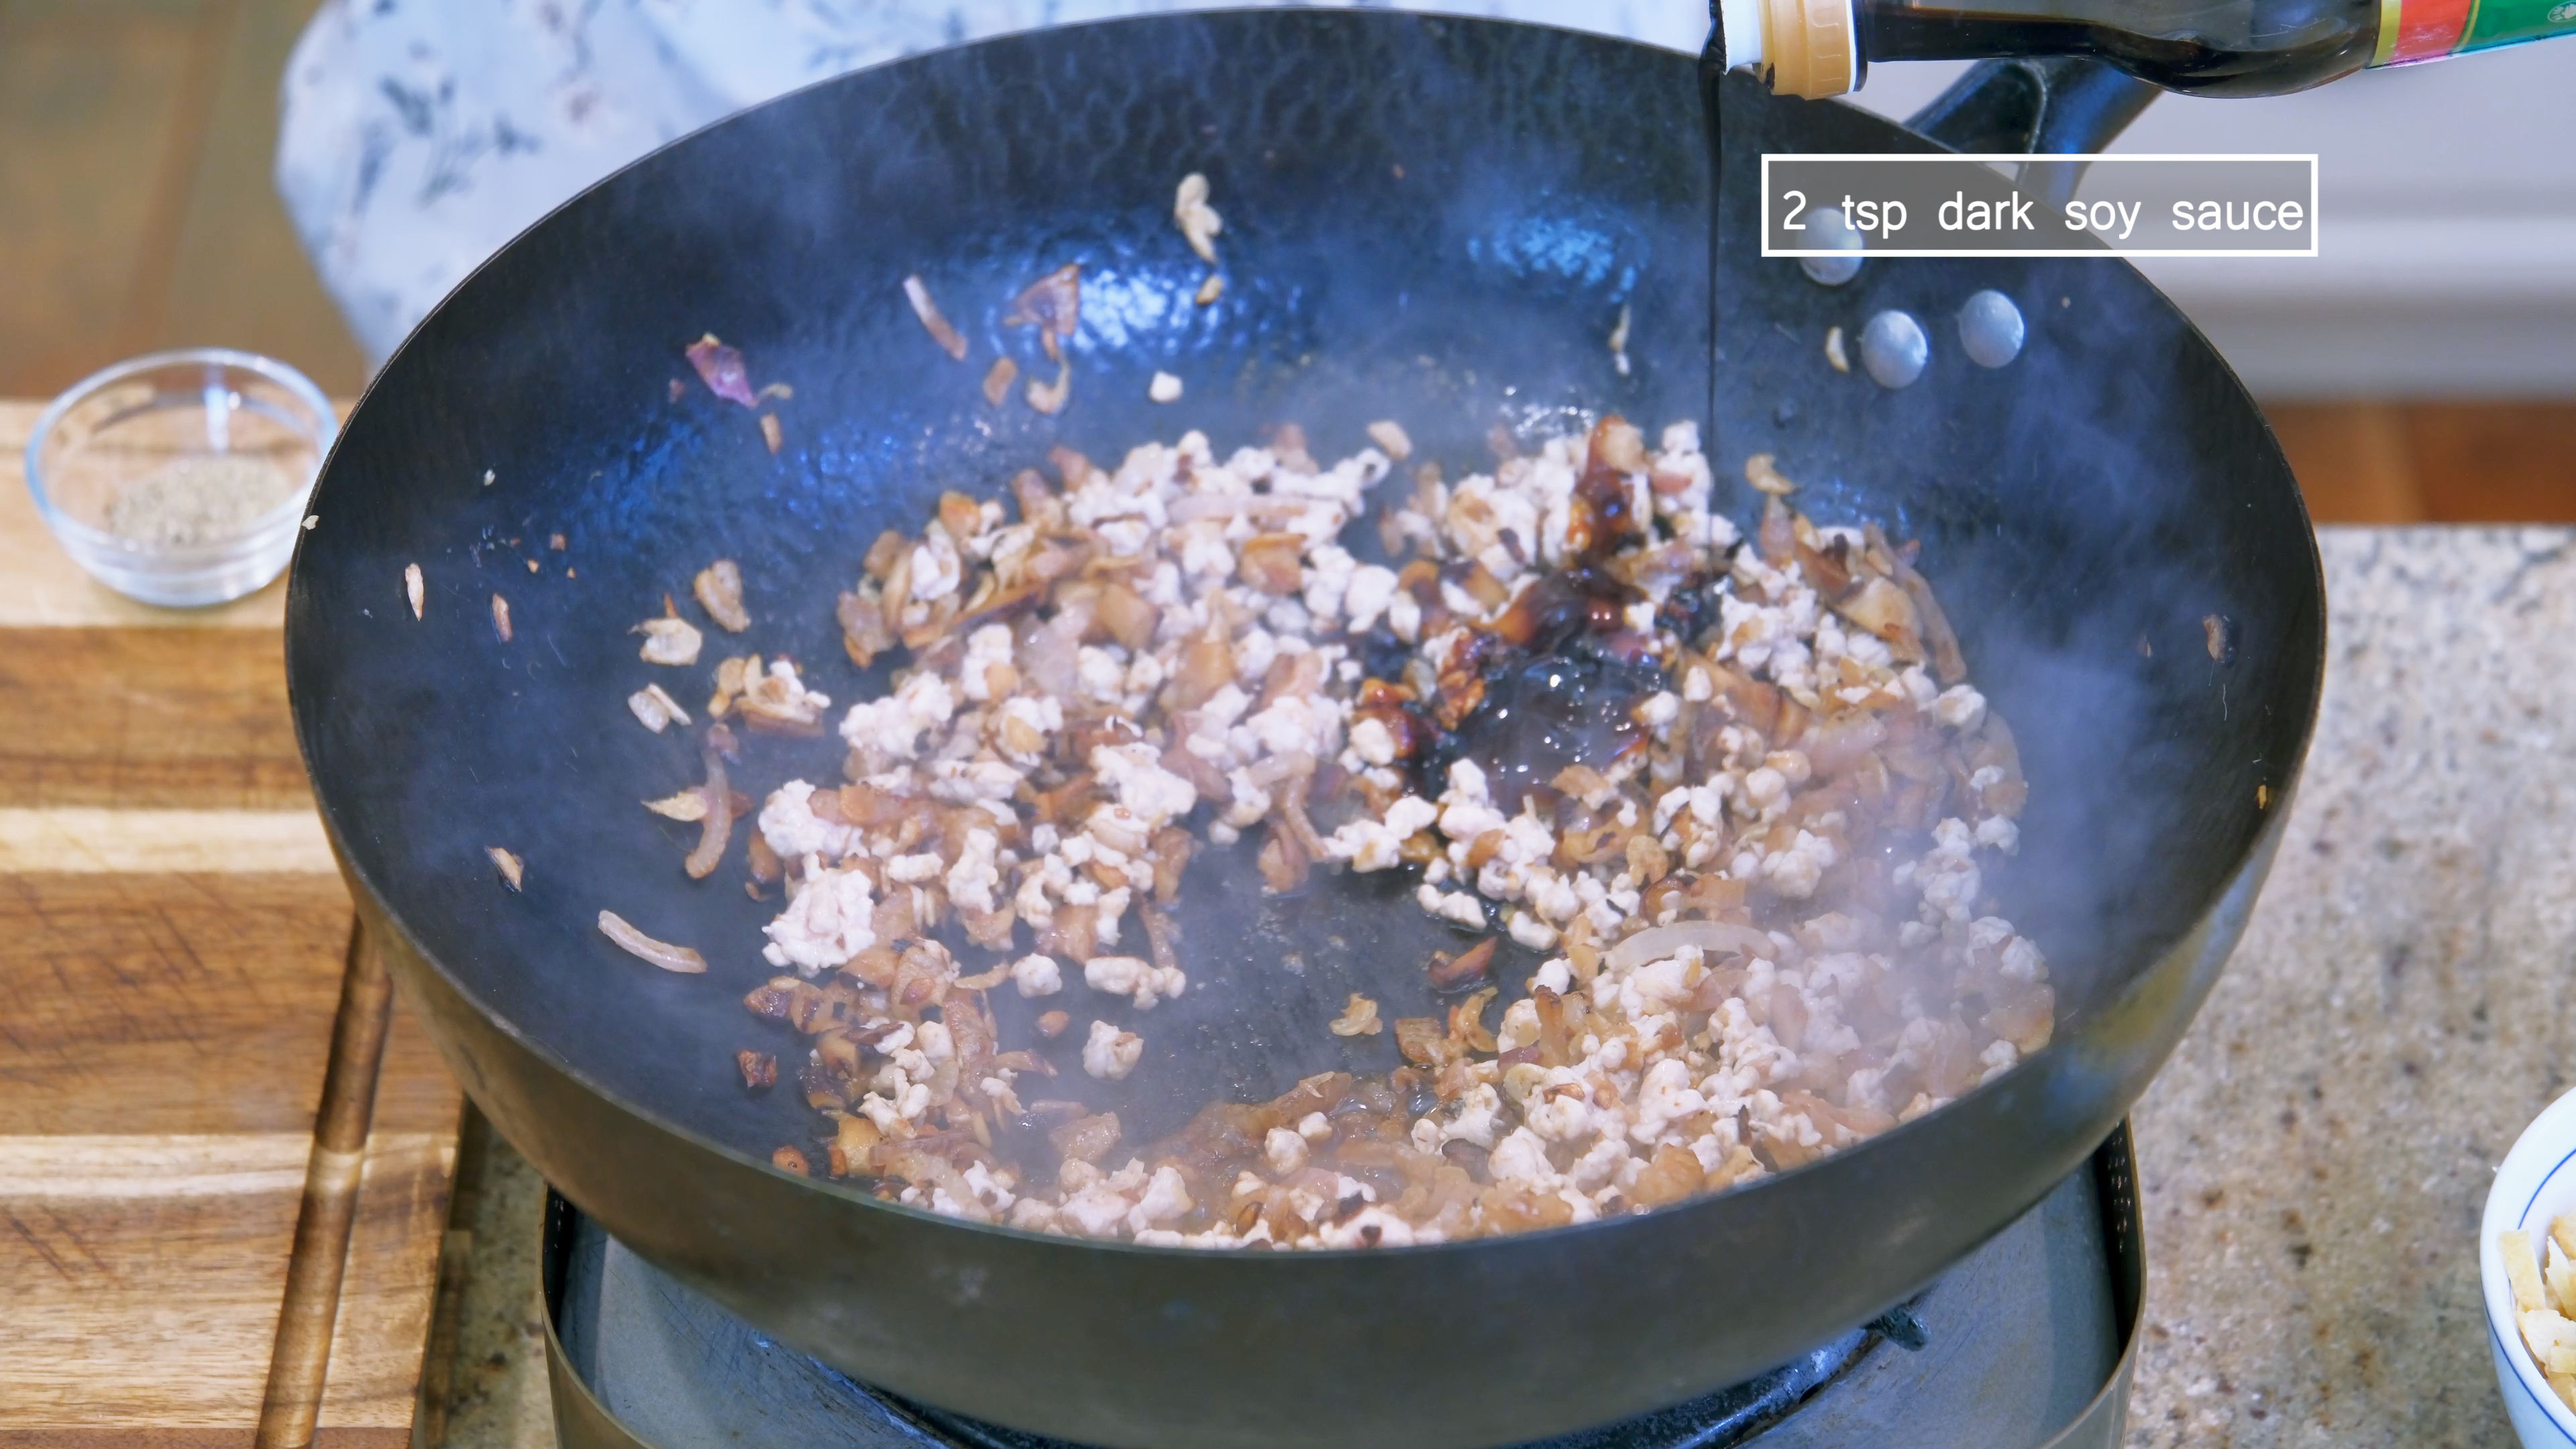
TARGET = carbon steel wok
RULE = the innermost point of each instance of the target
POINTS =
(1432, 220)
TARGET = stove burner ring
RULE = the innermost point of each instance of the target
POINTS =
(2036, 1333)
(1716, 1421)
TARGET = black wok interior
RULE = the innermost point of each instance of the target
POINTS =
(1433, 220)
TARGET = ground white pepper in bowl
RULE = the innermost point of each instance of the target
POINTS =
(197, 499)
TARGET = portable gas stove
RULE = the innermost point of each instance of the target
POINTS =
(2029, 1341)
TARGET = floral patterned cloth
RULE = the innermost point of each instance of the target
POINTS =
(420, 135)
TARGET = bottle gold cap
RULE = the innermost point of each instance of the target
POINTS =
(1808, 46)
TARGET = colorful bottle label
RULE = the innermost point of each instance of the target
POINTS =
(2413, 30)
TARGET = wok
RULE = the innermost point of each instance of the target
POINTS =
(1433, 220)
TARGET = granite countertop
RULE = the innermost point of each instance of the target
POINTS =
(2316, 1155)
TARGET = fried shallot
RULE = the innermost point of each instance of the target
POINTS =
(718, 587)
(1447, 973)
(1053, 305)
(660, 953)
(670, 639)
(932, 322)
(1198, 220)
(998, 378)
(720, 368)
(715, 829)
(1358, 1018)
(656, 709)
(1050, 397)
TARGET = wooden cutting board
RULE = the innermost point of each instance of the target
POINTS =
(224, 1170)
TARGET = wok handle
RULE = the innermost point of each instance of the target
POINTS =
(2048, 105)
(2045, 105)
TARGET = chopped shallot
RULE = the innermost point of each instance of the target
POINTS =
(412, 588)
(1715, 938)
(716, 830)
(1358, 1018)
(501, 616)
(931, 321)
(720, 367)
(1447, 972)
(688, 807)
(656, 709)
(1049, 397)
(1759, 472)
(1269, 562)
(660, 953)
(1053, 305)
(670, 640)
(998, 378)
(770, 698)
(512, 871)
(1883, 609)
(719, 590)
(1198, 220)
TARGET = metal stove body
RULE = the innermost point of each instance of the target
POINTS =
(2029, 1341)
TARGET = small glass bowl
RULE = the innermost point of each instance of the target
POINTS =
(180, 478)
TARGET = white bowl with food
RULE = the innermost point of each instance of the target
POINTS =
(2528, 1274)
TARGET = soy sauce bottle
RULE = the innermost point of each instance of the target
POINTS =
(2199, 47)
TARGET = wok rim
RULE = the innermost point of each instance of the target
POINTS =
(302, 615)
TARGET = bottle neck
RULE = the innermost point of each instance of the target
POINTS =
(1807, 48)
(1818, 48)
